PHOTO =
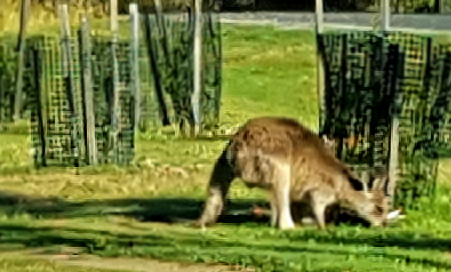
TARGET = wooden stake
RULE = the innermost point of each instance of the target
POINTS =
(195, 98)
(91, 142)
(40, 156)
(24, 16)
(115, 93)
(319, 28)
(394, 130)
(134, 19)
(443, 7)
(385, 15)
(68, 77)
(158, 7)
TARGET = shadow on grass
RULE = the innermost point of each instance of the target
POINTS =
(162, 210)
(174, 210)
(189, 247)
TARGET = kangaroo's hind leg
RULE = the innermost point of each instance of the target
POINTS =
(218, 188)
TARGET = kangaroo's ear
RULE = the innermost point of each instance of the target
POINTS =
(381, 184)
(385, 186)
(327, 142)
(376, 184)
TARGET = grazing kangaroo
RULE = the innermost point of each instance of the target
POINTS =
(290, 161)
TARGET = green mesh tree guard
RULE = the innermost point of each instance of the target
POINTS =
(102, 79)
(368, 74)
(170, 40)
(52, 126)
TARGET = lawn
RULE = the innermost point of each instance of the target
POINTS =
(134, 211)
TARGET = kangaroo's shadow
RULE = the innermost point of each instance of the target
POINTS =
(158, 210)
(179, 210)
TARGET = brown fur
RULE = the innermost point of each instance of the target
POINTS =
(287, 159)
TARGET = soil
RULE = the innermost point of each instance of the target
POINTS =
(69, 257)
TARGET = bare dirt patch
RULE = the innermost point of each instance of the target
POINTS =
(69, 257)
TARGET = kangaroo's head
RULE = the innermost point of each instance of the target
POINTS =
(329, 143)
(378, 195)
(378, 207)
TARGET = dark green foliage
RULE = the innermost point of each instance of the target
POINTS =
(212, 63)
(6, 76)
(368, 76)
(8, 67)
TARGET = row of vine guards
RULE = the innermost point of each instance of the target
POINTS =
(388, 93)
(87, 92)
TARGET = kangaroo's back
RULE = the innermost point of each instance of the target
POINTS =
(288, 140)
(278, 136)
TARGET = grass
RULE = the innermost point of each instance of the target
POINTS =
(116, 212)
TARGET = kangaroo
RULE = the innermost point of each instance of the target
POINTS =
(292, 163)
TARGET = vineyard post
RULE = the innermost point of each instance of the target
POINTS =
(24, 17)
(394, 127)
(319, 28)
(91, 142)
(195, 98)
(134, 19)
(444, 6)
(115, 78)
(68, 79)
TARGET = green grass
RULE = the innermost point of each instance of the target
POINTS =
(118, 212)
